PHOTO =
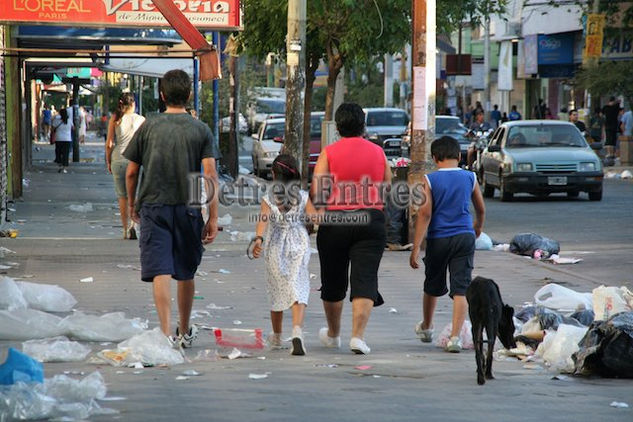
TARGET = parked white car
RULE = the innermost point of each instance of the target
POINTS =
(267, 143)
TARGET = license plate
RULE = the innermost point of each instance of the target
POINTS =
(557, 180)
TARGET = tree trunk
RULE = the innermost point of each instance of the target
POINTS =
(335, 63)
(312, 64)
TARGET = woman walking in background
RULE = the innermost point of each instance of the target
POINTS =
(121, 128)
(61, 132)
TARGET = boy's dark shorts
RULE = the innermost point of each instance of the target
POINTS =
(170, 241)
(455, 253)
(611, 137)
(360, 247)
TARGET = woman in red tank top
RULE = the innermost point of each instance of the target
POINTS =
(348, 180)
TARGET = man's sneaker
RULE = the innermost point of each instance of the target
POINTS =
(327, 341)
(425, 336)
(186, 340)
(454, 345)
(358, 346)
(274, 342)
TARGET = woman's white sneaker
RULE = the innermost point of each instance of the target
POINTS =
(358, 346)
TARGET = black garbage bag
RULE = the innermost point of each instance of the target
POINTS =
(607, 348)
(547, 318)
(527, 243)
(585, 317)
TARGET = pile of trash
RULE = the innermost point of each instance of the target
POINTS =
(531, 245)
(577, 333)
(26, 395)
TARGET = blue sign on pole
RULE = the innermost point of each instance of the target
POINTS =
(556, 49)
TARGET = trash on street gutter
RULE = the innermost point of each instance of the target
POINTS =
(258, 376)
(20, 367)
(242, 338)
(181, 378)
(223, 271)
(393, 311)
(483, 242)
(619, 405)
(57, 349)
(556, 259)
(87, 207)
(191, 373)
(225, 220)
(87, 280)
(363, 367)
(215, 307)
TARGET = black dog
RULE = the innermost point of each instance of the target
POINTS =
(486, 310)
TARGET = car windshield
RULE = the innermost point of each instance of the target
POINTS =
(315, 125)
(444, 126)
(538, 136)
(387, 118)
(274, 130)
(271, 106)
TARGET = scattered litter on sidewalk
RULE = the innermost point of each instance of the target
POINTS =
(201, 273)
(5, 251)
(607, 348)
(237, 322)
(562, 299)
(181, 378)
(28, 324)
(626, 174)
(215, 307)
(242, 338)
(608, 301)
(87, 207)
(483, 242)
(225, 220)
(206, 355)
(363, 367)
(47, 297)
(619, 405)
(61, 398)
(313, 251)
(556, 259)
(151, 348)
(326, 365)
(191, 373)
(236, 353)
(527, 243)
(11, 296)
(559, 346)
(87, 280)
(465, 335)
(258, 376)
(313, 276)
(223, 271)
(56, 349)
(501, 247)
(20, 367)
(560, 377)
(113, 326)
(393, 311)
(237, 236)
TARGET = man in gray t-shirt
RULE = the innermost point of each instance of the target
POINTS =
(171, 147)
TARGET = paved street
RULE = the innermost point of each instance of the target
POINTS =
(405, 380)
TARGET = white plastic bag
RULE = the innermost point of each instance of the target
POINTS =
(483, 242)
(466, 335)
(561, 298)
(608, 301)
(151, 348)
(47, 297)
(559, 345)
(11, 296)
(108, 327)
(57, 349)
(27, 324)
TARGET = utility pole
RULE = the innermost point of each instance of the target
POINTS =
(388, 72)
(231, 157)
(487, 61)
(423, 107)
(295, 84)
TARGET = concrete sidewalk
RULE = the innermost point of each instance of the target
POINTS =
(406, 380)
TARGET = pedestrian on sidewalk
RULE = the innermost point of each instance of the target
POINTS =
(596, 125)
(445, 221)
(171, 147)
(61, 130)
(281, 229)
(47, 115)
(122, 126)
(611, 125)
(357, 168)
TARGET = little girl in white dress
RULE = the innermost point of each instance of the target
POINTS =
(282, 231)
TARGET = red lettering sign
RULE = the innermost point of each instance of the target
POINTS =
(203, 14)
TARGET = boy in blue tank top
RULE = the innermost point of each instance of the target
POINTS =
(445, 220)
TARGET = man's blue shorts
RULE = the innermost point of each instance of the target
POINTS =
(170, 241)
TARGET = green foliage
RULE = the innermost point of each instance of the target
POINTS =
(450, 13)
(608, 78)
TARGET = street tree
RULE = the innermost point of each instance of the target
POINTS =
(451, 14)
(608, 78)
